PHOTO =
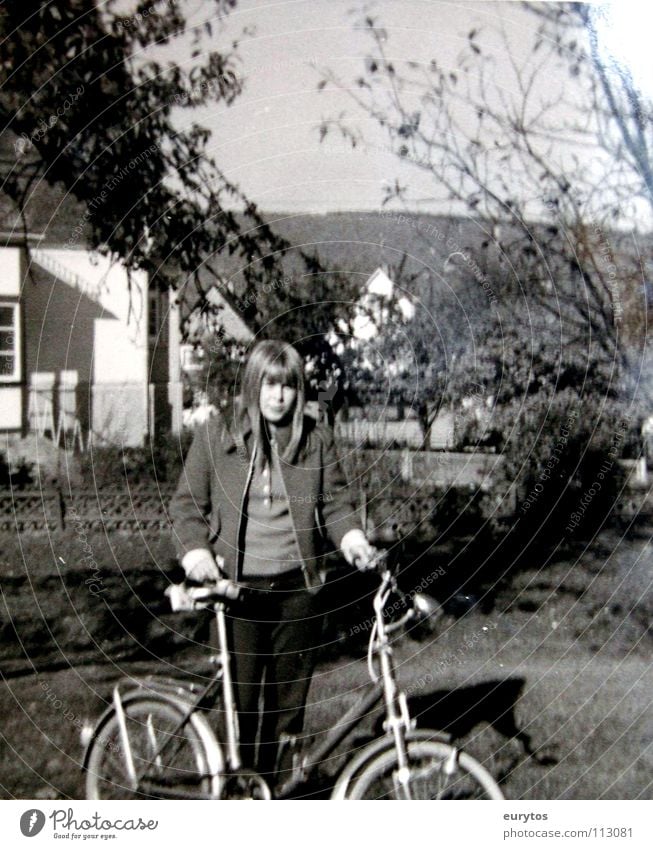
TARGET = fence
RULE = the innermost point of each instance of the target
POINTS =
(407, 502)
(120, 509)
(78, 414)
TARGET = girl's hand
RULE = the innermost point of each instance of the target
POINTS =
(357, 550)
(200, 566)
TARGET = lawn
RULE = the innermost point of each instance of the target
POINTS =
(564, 651)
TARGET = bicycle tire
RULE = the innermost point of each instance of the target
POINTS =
(187, 768)
(436, 771)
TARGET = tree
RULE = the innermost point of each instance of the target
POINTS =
(549, 171)
(409, 361)
(548, 187)
(305, 308)
(93, 113)
(624, 115)
(92, 109)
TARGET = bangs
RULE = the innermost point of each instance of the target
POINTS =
(281, 372)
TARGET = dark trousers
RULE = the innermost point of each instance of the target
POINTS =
(273, 644)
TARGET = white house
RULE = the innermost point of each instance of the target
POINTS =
(373, 310)
(85, 350)
(382, 424)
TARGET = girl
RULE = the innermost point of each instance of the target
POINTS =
(261, 489)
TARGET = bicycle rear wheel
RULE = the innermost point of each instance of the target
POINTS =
(168, 763)
(435, 771)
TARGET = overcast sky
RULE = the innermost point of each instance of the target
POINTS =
(268, 140)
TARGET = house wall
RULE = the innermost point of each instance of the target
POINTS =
(175, 394)
(82, 313)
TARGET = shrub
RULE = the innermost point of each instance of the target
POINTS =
(561, 455)
(160, 461)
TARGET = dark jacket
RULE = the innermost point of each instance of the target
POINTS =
(207, 508)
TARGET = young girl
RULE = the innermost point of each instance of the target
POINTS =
(262, 488)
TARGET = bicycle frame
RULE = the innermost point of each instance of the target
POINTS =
(398, 726)
(191, 698)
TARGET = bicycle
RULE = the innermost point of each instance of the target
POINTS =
(155, 740)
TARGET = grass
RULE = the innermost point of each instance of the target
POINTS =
(577, 633)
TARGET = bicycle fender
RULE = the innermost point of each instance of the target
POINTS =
(215, 758)
(376, 747)
(175, 688)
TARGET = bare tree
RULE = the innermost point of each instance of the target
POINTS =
(539, 162)
(624, 115)
(546, 148)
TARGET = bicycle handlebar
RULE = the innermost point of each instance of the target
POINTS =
(184, 597)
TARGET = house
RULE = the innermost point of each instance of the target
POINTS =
(87, 352)
(373, 312)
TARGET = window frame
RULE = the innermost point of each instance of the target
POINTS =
(17, 375)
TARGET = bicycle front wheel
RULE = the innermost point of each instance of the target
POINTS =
(158, 760)
(435, 771)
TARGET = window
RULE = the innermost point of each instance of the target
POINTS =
(9, 346)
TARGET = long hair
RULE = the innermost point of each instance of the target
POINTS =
(277, 360)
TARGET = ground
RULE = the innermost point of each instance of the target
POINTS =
(563, 650)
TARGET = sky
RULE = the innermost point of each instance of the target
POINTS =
(268, 140)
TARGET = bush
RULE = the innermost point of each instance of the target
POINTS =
(160, 461)
(561, 454)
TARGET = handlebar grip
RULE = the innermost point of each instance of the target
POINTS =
(185, 597)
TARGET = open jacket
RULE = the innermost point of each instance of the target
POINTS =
(209, 504)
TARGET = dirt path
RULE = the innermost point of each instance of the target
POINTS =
(591, 713)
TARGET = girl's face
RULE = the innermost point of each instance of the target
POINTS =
(277, 400)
